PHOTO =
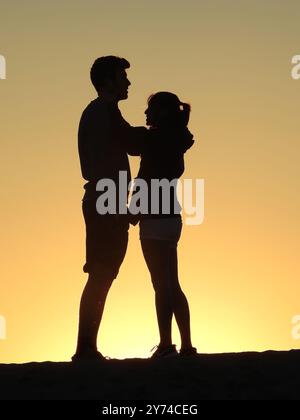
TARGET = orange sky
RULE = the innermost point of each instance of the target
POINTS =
(240, 269)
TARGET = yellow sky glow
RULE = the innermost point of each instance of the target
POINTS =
(240, 269)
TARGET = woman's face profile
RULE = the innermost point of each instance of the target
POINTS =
(155, 115)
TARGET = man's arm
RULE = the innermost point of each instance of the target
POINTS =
(136, 138)
(132, 140)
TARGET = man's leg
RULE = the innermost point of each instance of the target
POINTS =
(91, 310)
(106, 246)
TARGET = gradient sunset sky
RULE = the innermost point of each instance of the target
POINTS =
(240, 269)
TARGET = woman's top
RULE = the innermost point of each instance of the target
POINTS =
(162, 158)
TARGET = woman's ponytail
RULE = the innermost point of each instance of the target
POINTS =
(185, 111)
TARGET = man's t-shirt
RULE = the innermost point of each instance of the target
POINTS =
(102, 150)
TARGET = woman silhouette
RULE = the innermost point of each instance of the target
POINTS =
(162, 157)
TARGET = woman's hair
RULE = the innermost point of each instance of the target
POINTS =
(178, 113)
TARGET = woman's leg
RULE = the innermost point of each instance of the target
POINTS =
(157, 256)
(180, 303)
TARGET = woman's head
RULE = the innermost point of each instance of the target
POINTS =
(166, 110)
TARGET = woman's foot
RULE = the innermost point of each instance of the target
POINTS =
(188, 352)
(164, 352)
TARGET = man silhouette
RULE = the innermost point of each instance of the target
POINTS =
(102, 155)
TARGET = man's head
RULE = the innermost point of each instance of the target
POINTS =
(109, 77)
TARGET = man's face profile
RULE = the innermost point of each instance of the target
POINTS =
(118, 85)
(121, 84)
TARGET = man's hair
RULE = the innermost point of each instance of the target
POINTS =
(106, 68)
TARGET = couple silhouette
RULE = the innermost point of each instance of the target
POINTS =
(105, 140)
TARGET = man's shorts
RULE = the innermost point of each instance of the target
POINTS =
(106, 240)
